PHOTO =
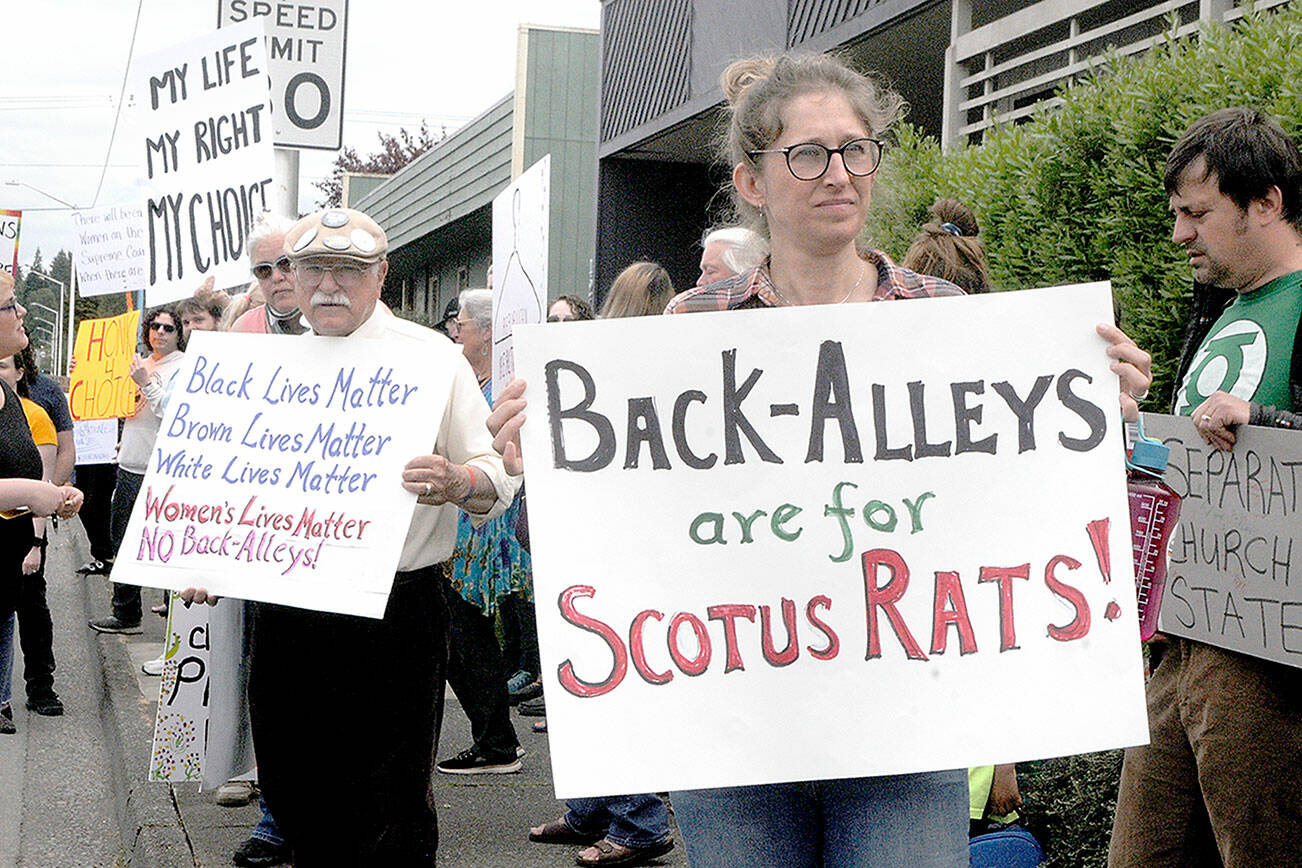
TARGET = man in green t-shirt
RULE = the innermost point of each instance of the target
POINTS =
(1221, 781)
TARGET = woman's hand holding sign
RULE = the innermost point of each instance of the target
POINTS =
(1132, 365)
(504, 424)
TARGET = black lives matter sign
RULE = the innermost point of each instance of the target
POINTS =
(305, 53)
(204, 137)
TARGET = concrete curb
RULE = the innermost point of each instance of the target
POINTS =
(153, 833)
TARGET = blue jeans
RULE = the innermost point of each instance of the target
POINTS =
(267, 830)
(639, 820)
(6, 659)
(916, 820)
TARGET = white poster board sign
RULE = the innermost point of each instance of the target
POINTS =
(203, 127)
(181, 723)
(10, 225)
(830, 541)
(96, 440)
(520, 226)
(111, 252)
(277, 471)
(306, 48)
(1230, 580)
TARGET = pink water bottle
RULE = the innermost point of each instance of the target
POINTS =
(1154, 511)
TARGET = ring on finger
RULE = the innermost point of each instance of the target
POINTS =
(429, 489)
(1138, 397)
(1207, 420)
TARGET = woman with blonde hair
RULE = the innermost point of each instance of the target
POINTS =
(641, 289)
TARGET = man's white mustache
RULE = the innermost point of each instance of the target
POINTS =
(340, 298)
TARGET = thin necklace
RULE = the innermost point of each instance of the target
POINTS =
(863, 270)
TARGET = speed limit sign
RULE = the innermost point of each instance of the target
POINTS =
(305, 53)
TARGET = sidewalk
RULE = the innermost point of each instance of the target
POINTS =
(483, 819)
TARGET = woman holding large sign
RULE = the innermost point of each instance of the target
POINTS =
(805, 141)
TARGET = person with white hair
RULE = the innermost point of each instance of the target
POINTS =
(730, 250)
(270, 265)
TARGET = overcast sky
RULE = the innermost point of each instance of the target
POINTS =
(64, 64)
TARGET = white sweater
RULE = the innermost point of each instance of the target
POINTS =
(141, 428)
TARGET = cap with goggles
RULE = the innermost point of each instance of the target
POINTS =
(340, 233)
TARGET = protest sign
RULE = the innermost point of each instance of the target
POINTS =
(306, 49)
(111, 254)
(520, 222)
(830, 541)
(96, 440)
(102, 387)
(277, 471)
(181, 723)
(10, 224)
(204, 138)
(1229, 579)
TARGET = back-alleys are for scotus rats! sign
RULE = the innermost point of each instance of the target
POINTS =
(830, 541)
(277, 472)
(1237, 550)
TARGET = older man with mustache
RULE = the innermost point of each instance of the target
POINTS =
(348, 704)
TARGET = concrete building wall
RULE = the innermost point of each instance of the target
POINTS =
(438, 210)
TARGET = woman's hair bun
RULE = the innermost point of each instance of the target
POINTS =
(955, 212)
(741, 74)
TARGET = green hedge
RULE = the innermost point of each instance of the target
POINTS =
(1076, 193)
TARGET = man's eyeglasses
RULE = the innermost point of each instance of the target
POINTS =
(263, 269)
(165, 328)
(345, 276)
(808, 161)
(559, 318)
(11, 306)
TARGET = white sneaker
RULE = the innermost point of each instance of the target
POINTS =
(232, 794)
(153, 667)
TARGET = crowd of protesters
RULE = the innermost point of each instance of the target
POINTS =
(1220, 784)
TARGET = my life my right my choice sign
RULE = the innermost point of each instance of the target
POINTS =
(830, 541)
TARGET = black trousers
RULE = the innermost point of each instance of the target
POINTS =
(36, 633)
(126, 598)
(477, 675)
(96, 482)
(346, 714)
(520, 634)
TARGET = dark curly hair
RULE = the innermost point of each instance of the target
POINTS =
(152, 314)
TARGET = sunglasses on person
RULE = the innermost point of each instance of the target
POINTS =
(263, 269)
(165, 328)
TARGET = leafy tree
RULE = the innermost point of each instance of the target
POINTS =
(1076, 194)
(395, 152)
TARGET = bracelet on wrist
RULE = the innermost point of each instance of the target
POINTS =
(470, 492)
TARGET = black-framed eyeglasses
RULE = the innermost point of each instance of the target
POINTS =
(11, 306)
(263, 269)
(165, 328)
(808, 161)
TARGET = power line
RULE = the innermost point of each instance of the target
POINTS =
(131, 49)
